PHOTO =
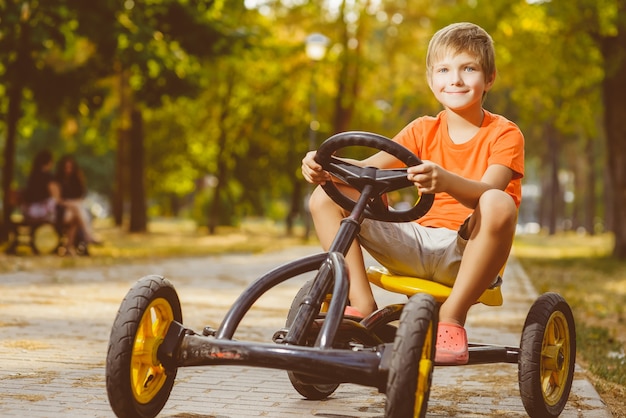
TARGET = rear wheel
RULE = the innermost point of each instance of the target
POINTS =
(308, 390)
(412, 361)
(138, 385)
(547, 356)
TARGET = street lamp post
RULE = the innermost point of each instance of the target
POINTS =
(316, 45)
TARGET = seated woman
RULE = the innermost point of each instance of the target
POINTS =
(42, 199)
(71, 180)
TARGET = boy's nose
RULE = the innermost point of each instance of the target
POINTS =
(456, 78)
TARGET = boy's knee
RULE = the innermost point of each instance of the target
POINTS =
(498, 207)
(319, 201)
(321, 204)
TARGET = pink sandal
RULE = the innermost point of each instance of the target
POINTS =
(451, 348)
(353, 312)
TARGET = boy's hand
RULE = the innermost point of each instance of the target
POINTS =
(428, 177)
(312, 170)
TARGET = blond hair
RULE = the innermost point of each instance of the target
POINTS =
(463, 37)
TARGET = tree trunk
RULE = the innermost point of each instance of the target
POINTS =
(121, 157)
(590, 186)
(15, 100)
(119, 192)
(222, 162)
(614, 86)
(608, 200)
(14, 93)
(295, 208)
(175, 205)
(216, 201)
(553, 190)
(348, 82)
(138, 218)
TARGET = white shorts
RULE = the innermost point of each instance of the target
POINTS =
(410, 249)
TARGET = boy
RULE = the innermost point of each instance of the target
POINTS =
(473, 160)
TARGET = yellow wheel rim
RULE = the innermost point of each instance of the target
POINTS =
(326, 303)
(555, 358)
(147, 375)
(424, 371)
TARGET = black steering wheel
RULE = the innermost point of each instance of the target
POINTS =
(381, 180)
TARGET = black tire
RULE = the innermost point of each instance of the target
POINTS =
(412, 361)
(137, 384)
(309, 391)
(547, 356)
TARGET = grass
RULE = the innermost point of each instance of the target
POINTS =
(594, 284)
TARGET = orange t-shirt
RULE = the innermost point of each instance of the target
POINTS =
(499, 141)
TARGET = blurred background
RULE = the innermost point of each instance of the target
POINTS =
(191, 117)
(203, 109)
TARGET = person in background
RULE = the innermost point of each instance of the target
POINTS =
(42, 200)
(73, 186)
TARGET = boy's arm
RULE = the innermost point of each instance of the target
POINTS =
(431, 178)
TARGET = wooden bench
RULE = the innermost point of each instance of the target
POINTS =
(23, 232)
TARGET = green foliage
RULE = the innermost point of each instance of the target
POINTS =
(43, 49)
(164, 42)
(226, 91)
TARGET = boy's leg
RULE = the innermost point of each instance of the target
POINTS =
(327, 216)
(491, 231)
(491, 228)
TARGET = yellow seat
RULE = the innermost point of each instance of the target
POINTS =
(409, 286)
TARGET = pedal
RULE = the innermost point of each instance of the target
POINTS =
(356, 346)
(209, 332)
(279, 336)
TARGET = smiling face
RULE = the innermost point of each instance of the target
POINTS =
(458, 81)
(461, 66)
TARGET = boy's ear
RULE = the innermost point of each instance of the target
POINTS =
(489, 82)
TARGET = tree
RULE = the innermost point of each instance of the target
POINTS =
(158, 52)
(613, 47)
(603, 23)
(38, 50)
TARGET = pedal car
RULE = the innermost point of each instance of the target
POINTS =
(391, 350)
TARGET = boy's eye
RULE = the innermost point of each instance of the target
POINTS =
(442, 70)
(470, 69)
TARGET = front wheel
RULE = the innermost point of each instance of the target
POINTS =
(547, 356)
(138, 385)
(412, 361)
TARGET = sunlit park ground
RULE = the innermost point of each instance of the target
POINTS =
(576, 266)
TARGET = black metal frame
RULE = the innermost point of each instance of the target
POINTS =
(365, 364)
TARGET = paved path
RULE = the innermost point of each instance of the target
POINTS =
(54, 330)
